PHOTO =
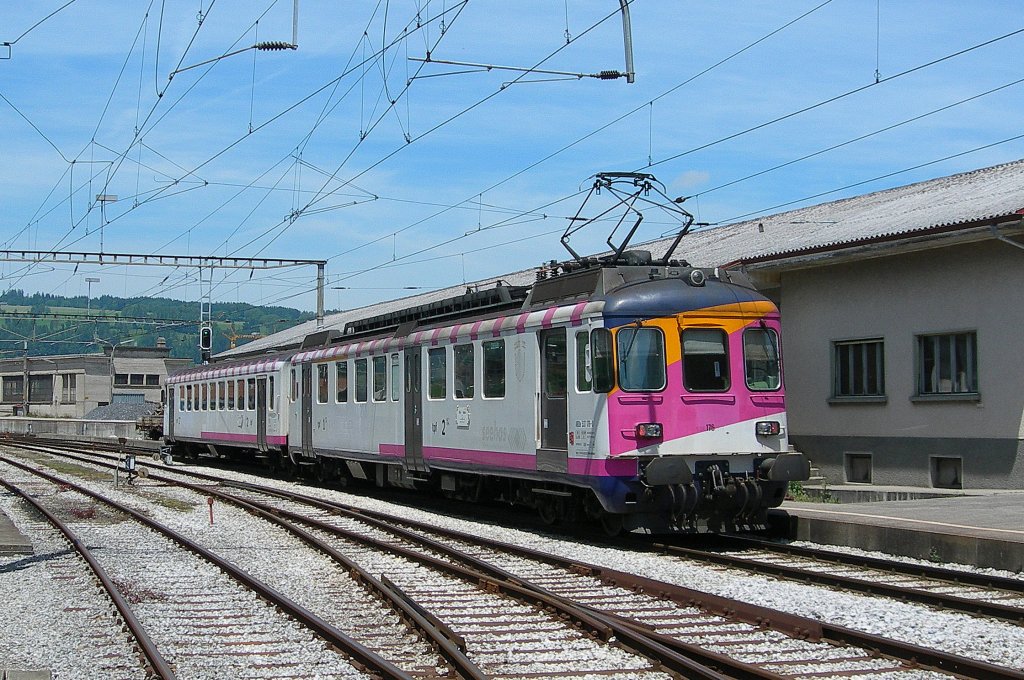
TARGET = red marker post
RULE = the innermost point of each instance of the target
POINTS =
(209, 501)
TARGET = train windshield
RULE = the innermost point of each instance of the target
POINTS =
(641, 354)
(761, 359)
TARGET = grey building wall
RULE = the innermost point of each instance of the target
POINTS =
(906, 441)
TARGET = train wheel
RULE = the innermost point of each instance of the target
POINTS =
(611, 524)
(548, 511)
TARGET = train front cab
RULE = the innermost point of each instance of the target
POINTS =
(696, 401)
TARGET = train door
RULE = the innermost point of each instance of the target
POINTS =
(414, 410)
(553, 455)
(261, 414)
(172, 397)
(307, 409)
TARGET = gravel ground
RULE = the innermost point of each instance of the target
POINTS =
(977, 638)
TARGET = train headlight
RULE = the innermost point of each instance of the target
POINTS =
(648, 430)
(767, 428)
(697, 277)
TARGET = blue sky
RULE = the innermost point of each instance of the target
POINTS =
(302, 154)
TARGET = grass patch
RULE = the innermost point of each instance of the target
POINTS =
(174, 504)
(69, 468)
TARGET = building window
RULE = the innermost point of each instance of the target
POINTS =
(40, 389)
(705, 360)
(438, 373)
(947, 364)
(120, 378)
(464, 371)
(321, 383)
(136, 379)
(858, 368)
(380, 378)
(14, 389)
(152, 380)
(361, 380)
(68, 388)
(494, 369)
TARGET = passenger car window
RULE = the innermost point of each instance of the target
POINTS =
(641, 355)
(464, 371)
(494, 369)
(705, 360)
(761, 359)
(438, 366)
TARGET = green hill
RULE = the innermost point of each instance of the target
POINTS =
(36, 320)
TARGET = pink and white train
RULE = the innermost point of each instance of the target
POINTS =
(638, 395)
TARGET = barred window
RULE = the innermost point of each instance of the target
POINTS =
(859, 368)
(947, 364)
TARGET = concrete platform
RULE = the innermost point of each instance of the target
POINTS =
(983, 529)
(12, 541)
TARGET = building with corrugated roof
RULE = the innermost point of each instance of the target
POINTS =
(902, 326)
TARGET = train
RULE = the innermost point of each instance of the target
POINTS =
(634, 393)
(637, 392)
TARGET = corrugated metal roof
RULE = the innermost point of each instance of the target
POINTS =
(963, 199)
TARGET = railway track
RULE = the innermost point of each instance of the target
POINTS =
(981, 594)
(189, 609)
(659, 617)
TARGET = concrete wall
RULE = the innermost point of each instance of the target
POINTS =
(68, 427)
(970, 287)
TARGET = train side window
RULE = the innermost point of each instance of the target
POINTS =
(321, 384)
(360, 380)
(271, 395)
(438, 361)
(396, 378)
(380, 378)
(705, 360)
(341, 382)
(462, 356)
(204, 400)
(195, 397)
(641, 353)
(295, 387)
(187, 406)
(584, 367)
(761, 359)
(494, 369)
(601, 358)
(251, 405)
(222, 395)
(231, 395)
